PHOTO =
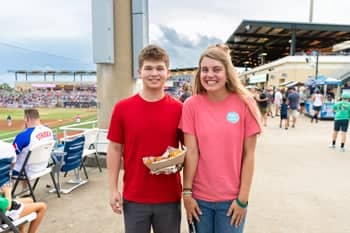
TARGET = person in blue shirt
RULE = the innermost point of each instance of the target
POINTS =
(284, 113)
(293, 104)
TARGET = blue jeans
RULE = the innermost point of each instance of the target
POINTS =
(214, 219)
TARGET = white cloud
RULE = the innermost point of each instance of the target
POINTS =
(221, 17)
(40, 19)
(63, 27)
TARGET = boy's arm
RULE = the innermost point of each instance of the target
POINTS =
(114, 155)
(180, 136)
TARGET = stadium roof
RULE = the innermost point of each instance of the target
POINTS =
(53, 72)
(254, 41)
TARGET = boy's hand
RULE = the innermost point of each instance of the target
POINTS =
(116, 202)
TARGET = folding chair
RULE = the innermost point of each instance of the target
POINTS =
(71, 160)
(90, 146)
(38, 154)
(5, 170)
(102, 141)
(6, 225)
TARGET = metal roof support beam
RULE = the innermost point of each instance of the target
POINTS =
(298, 26)
(292, 43)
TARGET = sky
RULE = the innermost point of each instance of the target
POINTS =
(56, 34)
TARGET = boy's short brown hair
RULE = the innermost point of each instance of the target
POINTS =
(153, 53)
(31, 113)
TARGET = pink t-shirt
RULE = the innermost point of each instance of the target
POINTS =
(220, 129)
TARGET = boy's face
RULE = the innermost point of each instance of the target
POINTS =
(153, 74)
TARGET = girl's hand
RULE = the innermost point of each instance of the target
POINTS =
(237, 213)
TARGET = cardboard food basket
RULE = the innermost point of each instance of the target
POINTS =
(165, 162)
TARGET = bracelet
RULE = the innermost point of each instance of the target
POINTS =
(187, 189)
(241, 204)
(186, 193)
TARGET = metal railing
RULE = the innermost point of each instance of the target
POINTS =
(80, 128)
(77, 127)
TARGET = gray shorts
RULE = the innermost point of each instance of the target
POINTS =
(163, 218)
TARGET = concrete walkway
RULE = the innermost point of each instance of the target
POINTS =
(300, 186)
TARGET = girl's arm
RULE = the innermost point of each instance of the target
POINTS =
(191, 160)
(236, 210)
(190, 167)
(247, 167)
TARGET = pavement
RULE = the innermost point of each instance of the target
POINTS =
(300, 186)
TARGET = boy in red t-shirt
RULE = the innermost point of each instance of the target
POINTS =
(145, 125)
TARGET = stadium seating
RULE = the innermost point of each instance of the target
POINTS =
(37, 154)
(5, 170)
(6, 225)
(71, 160)
(90, 146)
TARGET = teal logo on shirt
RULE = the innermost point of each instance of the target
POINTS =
(232, 117)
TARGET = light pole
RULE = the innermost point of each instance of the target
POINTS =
(311, 10)
(316, 65)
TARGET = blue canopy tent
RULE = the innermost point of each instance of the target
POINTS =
(323, 83)
(323, 80)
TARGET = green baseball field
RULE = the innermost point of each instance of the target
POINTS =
(52, 117)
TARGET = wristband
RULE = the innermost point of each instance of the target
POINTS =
(241, 204)
(186, 193)
(187, 189)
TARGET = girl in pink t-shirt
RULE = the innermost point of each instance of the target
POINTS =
(221, 123)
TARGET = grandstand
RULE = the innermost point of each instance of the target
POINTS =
(177, 78)
(69, 88)
(54, 80)
(51, 89)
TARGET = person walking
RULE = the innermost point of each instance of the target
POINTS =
(262, 101)
(9, 120)
(303, 100)
(284, 113)
(293, 105)
(278, 101)
(220, 124)
(341, 120)
(317, 102)
(143, 125)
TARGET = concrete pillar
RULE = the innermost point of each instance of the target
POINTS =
(114, 81)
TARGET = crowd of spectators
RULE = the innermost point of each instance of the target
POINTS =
(48, 98)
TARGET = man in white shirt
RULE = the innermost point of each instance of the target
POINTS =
(35, 132)
(278, 101)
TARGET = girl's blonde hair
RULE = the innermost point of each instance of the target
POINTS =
(221, 53)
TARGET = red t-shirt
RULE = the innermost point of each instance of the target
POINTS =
(146, 129)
